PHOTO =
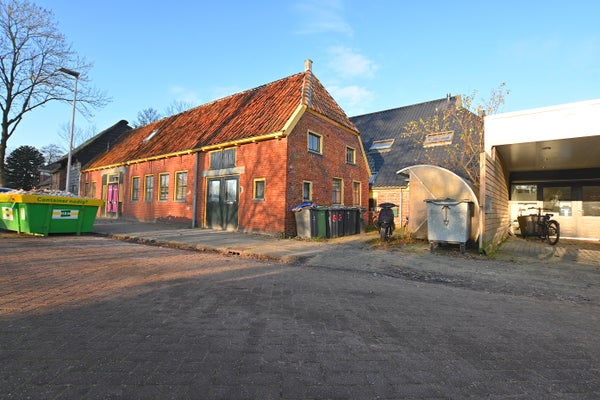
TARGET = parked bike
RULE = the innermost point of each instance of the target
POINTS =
(540, 225)
(385, 221)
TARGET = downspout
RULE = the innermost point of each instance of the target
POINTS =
(400, 206)
(195, 193)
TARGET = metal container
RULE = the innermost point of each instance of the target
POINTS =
(449, 221)
(42, 214)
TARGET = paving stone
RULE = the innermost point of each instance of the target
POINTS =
(126, 320)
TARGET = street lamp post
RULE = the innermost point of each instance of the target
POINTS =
(74, 74)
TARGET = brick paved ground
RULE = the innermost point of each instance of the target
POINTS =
(89, 317)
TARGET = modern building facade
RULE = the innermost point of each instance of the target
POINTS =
(543, 158)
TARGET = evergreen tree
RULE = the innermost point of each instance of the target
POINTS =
(22, 167)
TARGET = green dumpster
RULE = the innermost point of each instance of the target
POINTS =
(43, 214)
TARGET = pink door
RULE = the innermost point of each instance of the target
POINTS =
(112, 203)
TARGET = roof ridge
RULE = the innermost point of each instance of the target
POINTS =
(243, 92)
(215, 101)
(444, 99)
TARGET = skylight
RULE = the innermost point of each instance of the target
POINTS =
(150, 136)
(379, 145)
(438, 139)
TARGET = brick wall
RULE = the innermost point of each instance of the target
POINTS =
(156, 210)
(495, 217)
(283, 164)
(262, 160)
(320, 169)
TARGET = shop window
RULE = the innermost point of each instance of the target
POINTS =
(591, 201)
(523, 192)
(558, 200)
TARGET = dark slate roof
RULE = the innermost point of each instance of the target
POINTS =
(406, 150)
(100, 143)
(261, 111)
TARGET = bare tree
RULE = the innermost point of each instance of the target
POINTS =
(32, 51)
(149, 115)
(52, 152)
(80, 135)
(146, 116)
(178, 106)
(466, 120)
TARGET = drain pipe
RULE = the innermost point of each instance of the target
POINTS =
(195, 193)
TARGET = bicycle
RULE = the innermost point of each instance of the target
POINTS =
(540, 225)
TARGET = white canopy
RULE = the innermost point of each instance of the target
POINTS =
(433, 182)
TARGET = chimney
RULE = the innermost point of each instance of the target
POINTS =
(307, 84)
(307, 65)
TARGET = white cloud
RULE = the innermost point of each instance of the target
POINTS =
(348, 63)
(184, 95)
(322, 16)
(352, 98)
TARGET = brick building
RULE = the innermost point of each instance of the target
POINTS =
(238, 163)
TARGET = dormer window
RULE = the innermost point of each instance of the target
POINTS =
(150, 136)
(438, 139)
(380, 145)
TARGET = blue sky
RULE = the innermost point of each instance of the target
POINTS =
(371, 56)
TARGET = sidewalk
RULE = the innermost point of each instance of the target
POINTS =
(299, 250)
(225, 242)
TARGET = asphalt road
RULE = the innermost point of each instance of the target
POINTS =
(91, 317)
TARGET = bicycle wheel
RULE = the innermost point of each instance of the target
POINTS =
(553, 232)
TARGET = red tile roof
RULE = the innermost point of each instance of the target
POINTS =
(256, 112)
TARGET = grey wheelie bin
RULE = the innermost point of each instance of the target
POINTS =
(449, 221)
